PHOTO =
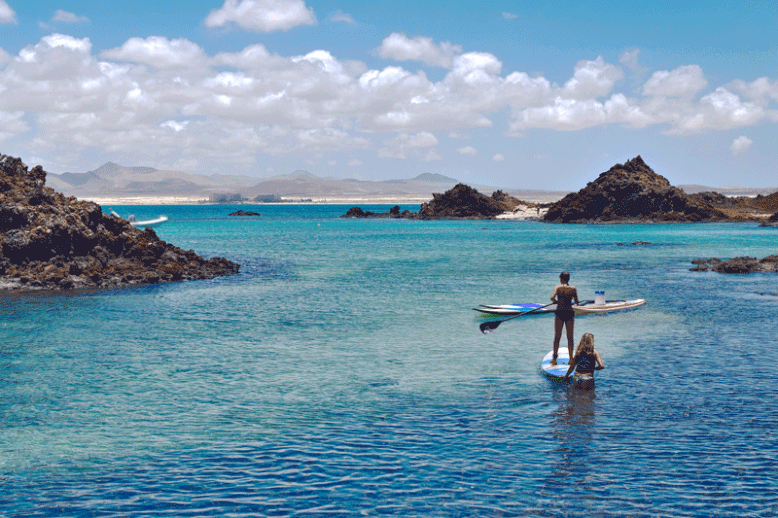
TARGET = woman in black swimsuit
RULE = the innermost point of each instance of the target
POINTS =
(563, 296)
(587, 359)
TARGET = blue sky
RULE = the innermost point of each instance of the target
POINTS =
(510, 94)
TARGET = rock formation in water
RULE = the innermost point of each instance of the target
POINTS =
(242, 212)
(463, 202)
(49, 241)
(394, 212)
(632, 192)
(737, 265)
(460, 202)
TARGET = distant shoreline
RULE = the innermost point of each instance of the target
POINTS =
(314, 200)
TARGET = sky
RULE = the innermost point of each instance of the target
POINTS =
(520, 95)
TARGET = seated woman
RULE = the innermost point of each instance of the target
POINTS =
(587, 359)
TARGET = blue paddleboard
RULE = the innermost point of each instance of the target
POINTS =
(562, 364)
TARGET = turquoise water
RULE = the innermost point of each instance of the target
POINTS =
(342, 372)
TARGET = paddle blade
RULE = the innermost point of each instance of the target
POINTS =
(488, 327)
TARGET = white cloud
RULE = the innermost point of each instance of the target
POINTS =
(684, 82)
(11, 124)
(399, 47)
(592, 79)
(157, 99)
(262, 15)
(740, 145)
(406, 145)
(432, 155)
(760, 91)
(509, 16)
(158, 52)
(340, 16)
(7, 15)
(631, 60)
(66, 17)
(355, 163)
(499, 157)
(332, 162)
(475, 67)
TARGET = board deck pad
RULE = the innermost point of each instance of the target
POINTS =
(557, 371)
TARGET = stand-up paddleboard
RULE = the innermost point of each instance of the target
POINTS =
(555, 372)
(585, 308)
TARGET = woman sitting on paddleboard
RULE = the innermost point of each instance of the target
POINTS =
(587, 359)
(563, 296)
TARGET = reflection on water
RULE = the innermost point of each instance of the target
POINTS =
(573, 452)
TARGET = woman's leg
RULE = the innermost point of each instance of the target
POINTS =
(557, 336)
(569, 326)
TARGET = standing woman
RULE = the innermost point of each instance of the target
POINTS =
(564, 316)
(587, 359)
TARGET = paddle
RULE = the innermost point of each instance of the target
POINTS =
(488, 327)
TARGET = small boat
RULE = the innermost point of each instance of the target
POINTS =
(145, 223)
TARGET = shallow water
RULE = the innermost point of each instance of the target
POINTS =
(342, 373)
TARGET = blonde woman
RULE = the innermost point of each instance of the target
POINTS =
(564, 316)
(587, 359)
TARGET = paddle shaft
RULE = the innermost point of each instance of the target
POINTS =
(486, 327)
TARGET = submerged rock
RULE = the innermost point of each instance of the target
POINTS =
(242, 212)
(632, 192)
(49, 241)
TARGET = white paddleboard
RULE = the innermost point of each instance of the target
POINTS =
(556, 372)
(586, 308)
(611, 305)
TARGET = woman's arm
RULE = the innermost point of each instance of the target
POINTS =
(600, 365)
(575, 296)
(571, 369)
(553, 295)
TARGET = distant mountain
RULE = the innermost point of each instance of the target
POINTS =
(729, 190)
(114, 180)
(435, 178)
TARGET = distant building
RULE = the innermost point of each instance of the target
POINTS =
(267, 198)
(225, 198)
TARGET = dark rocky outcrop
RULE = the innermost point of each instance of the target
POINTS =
(48, 241)
(394, 212)
(632, 192)
(772, 221)
(460, 202)
(244, 213)
(743, 264)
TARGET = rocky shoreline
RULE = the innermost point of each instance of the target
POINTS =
(627, 193)
(52, 242)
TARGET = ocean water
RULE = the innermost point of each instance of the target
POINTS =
(342, 373)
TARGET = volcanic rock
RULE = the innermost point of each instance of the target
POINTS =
(631, 192)
(48, 241)
(743, 264)
(463, 202)
(460, 202)
(394, 212)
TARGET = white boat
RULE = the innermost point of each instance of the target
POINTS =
(145, 223)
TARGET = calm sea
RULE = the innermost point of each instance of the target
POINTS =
(342, 373)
